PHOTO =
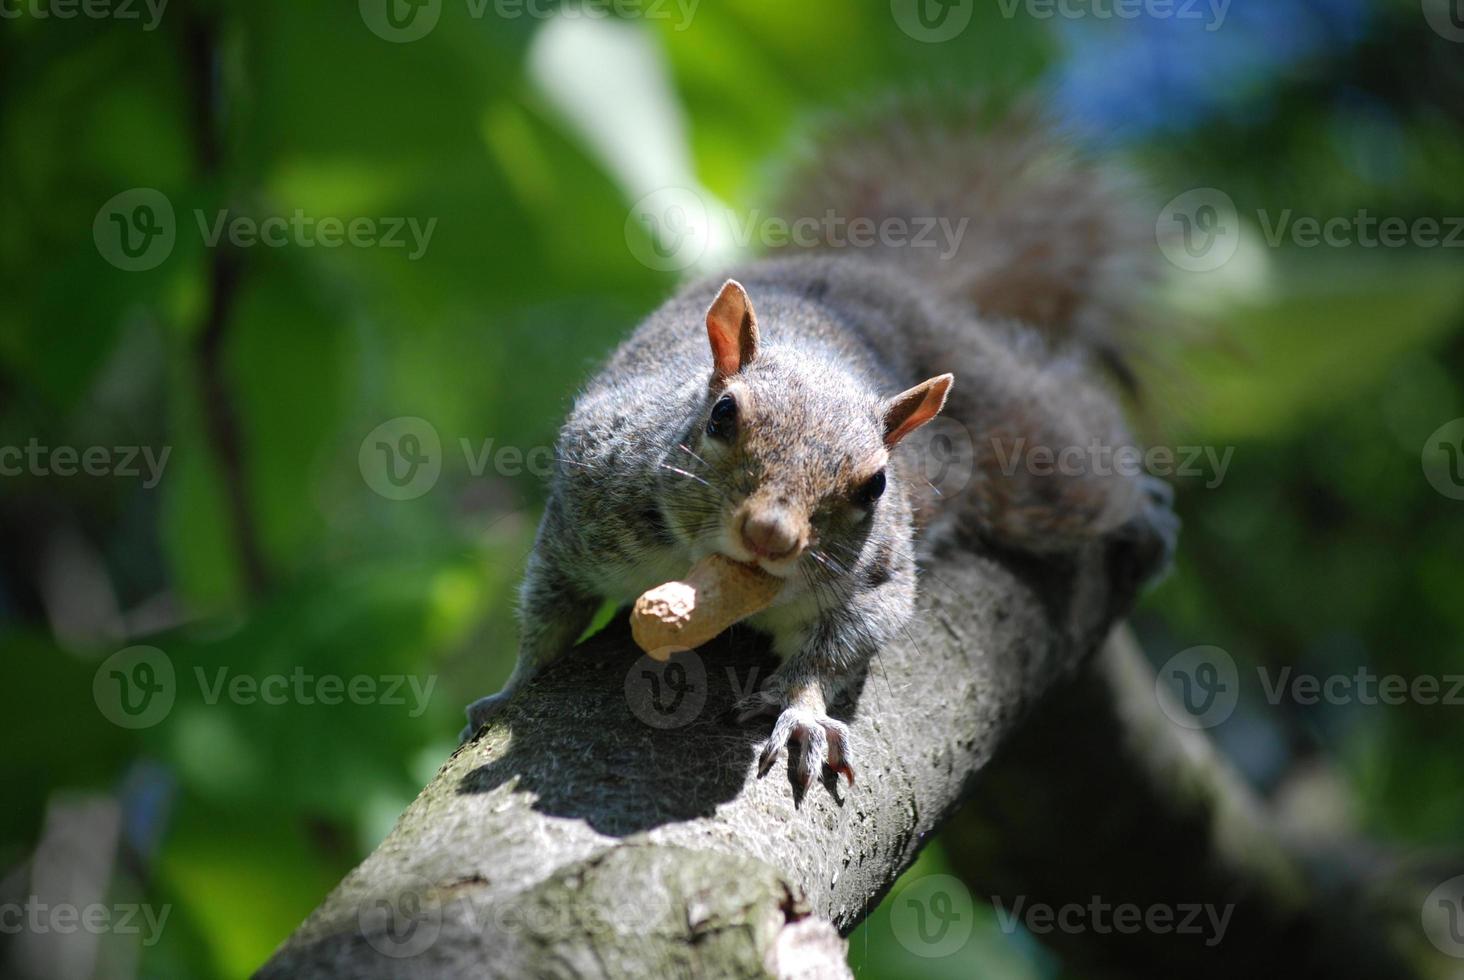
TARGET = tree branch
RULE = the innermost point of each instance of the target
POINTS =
(586, 833)
(573, 838)
(225, 270)
(1100, 800)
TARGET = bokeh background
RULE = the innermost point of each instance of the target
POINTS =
(269, 541)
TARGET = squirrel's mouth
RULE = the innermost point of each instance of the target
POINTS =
(781, 566)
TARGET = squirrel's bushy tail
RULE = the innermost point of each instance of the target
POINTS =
(1032, 231)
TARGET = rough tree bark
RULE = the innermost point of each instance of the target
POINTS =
(604, 828)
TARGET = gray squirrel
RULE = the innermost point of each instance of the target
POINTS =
(774, 413)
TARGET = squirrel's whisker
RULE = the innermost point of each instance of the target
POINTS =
(687, 449)
(685, 473)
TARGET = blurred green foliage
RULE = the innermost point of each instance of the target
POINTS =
(1325, 369)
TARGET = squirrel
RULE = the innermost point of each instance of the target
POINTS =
(774, 413)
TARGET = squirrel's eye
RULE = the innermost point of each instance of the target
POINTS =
(870, 490)
(723, 421)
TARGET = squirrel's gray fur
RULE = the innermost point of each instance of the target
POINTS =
(642, 490)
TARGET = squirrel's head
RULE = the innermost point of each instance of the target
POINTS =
(789, 456)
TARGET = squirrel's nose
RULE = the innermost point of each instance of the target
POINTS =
(771, 532)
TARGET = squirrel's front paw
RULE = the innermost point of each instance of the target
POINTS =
(813, 740)
(481, 711)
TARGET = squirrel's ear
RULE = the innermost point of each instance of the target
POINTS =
(732, 329)
(909, 410)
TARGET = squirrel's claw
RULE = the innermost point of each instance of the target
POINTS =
(813, 741)
(481, 711)
(838, 757)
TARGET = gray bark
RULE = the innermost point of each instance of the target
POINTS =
(585, 834)
(572, 838)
